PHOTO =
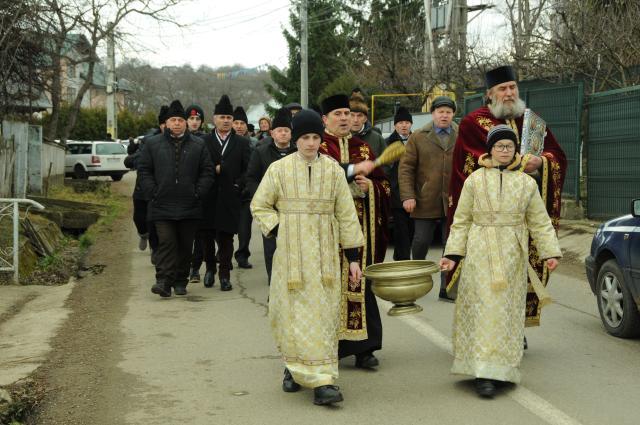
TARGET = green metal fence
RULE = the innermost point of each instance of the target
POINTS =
(560, 105)
(613, 152)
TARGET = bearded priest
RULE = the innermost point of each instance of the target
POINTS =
(504, 106)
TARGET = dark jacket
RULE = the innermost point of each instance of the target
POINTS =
(263, 156)
(392, 174)
(373, 138)
(175, 184)
(222, 203)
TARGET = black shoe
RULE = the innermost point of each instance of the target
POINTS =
(161, 289)
(288, 384)
(366, 361)
(180, 290)
(209, 278)
(194, 276)
(225, 285)
(525, 345)
(442, 296)
(244, 264)
(326, 394)
(485, 387)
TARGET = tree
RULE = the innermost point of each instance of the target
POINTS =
(94, 20)
(22, 58)
(329, 31)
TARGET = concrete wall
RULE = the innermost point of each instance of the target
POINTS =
(52, 156)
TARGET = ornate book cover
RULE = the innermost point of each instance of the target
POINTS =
(534, 130)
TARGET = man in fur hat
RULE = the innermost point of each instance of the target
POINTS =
(504, 106)
(361, 327)
(402, 222)
(195, 121)
(230, 155)
(177, 173)
(242, 254)
(360, 125)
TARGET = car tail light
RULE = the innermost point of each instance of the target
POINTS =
(95, 159)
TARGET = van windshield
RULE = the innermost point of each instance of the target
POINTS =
(110, 149)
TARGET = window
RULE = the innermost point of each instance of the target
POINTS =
(73, 149)
(110, 149)
(71, 94)
(71, 71)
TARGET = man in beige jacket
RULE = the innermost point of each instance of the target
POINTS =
(423, 177)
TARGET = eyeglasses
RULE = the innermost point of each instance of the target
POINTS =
(504, 148)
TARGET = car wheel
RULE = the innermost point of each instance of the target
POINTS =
(116, 177)
(80, 173)
(618, 310)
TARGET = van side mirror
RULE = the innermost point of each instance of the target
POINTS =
(635, 207)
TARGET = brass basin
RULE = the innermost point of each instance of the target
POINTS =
(402, 283)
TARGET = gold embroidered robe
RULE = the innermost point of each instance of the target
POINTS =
(312, 206)
(496, 213)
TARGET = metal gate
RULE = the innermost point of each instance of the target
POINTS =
(613, 152)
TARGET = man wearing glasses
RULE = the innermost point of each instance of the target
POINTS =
(504, 106)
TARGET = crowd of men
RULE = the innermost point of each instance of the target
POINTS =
(197, 189)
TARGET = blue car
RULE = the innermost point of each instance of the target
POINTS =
(613, 270)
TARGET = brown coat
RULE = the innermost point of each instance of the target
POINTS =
(425, 171)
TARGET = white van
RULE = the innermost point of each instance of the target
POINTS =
(84, 159)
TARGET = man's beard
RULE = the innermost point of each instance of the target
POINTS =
(512, 110)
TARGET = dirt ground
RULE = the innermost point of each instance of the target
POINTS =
(90, 337)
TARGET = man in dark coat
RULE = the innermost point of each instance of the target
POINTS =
(230, 155)
(263, 156)
(176, 173)
(146, 229)
(242, 254)
(195, 121)
(402, 222)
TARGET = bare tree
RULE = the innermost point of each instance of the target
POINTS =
(94, 20)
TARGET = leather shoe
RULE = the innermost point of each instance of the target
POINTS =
(225, 285)
(180, 290)
(161, 289)
(288, 384)
(525, 344)
(366, 361)
(326, 394)
(244, 264)
(485, 387)
(209, 278)
(194, 276)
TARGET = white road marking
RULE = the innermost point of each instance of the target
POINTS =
(524, 397)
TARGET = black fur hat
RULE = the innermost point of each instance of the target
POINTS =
(223, 107)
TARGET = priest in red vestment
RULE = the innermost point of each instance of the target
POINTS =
(361, 327)
(504, 106)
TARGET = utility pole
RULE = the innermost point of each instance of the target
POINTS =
(304, 55)
(112, 110)
(429, 50)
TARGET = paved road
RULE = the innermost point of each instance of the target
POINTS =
(208, 358)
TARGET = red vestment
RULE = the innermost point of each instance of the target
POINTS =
(470, 144)
(373, 215)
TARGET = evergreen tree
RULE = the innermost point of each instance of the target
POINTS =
(329, 33)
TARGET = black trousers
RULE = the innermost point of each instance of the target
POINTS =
(269, 248)
(144, 226)
(208, 239)
(425, 229)
(173, 256)
(197, 256)
(244, 233)
(402, 234)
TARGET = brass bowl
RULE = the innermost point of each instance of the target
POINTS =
(402, 283)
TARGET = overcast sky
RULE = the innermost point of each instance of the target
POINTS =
(248, 32)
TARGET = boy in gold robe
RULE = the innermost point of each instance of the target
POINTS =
(498, 209)
(305, 201)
